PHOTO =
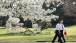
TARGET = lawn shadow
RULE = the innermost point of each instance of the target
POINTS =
(2, 27)
(41, 41)
(26, 33)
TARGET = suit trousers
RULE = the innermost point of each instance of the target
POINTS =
(57, 34)
(62, 35)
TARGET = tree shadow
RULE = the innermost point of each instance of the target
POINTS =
(41, 41)
(26, 33)
(2, 27)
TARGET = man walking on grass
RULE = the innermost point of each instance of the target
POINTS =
(59, 32)
(62, 30)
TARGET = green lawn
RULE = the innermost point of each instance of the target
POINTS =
(45, 35)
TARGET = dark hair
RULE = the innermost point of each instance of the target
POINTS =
(59, 21)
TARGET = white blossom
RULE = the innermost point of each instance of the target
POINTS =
(74, 2)
(31, 9)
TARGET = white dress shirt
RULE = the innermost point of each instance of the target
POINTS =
(60, 27)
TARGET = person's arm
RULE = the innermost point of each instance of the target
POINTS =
(57, 27)
(64, 28)
(65, 33)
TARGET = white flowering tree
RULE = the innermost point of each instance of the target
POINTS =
(32, 9)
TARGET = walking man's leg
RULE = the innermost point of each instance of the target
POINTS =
(56, 34)
(54, 38)
(62, 35)
(59, 38)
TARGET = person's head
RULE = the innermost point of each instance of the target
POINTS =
(27, 18)
(61, 21)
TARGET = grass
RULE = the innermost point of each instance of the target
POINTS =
(28, 36)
